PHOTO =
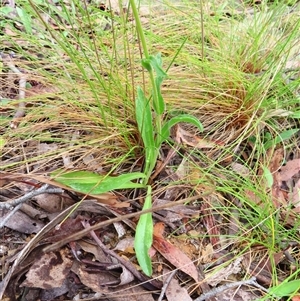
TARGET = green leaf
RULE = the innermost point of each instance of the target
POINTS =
(25, 19)
(165, 133)
(5, 10)
(161, 103)
(143, 116)
(285, 288)
(89, 182)
(285, 135)
(156, 63)
(144, 236)
(295, 115)
(147, 64)
(268, 176)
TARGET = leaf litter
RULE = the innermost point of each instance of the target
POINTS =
(82, 270)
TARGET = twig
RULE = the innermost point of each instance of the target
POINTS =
(220, 289)
(127, 264)
(29, 195)
(166, 284)
(9, 215)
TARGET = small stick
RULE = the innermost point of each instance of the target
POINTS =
(9, 215)
(166, 284)
(217, 290)
(29, 195)
(19, 202)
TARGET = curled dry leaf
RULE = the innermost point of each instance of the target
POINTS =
(125, 245)
(188, 138)
(290, 169)
(296, 196)
(240, 169)
(22, 223)
(174, 255)
(222, 274)
(96, 273)
(174, 291)
(49, 202)
(100, 279)
(95, 281)
(287, 173)
(93, 249)
(50, 270)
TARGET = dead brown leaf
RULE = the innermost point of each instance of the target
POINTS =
(296, 196)
(50, 270)
(23, 223)
(224, 273)
(49, 202)
(278, 195)
(182, 136)
(290, 169)
(174, 291)
(174, 255)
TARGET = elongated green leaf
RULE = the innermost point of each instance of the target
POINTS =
(2, 143)
(285, 135)
(144, 120)
(156, 63)
(285, 288)
(25, 19)
(268, 176)
(89, 182)
(295, 115)
(5, 10)
(147, 64)
(161, 103)
(165, 133)
(144, 237)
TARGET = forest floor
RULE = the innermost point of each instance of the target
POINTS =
(224, 191)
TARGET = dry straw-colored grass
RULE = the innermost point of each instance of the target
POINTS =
(82, 116)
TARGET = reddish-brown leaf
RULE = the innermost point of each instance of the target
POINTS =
(175, 256)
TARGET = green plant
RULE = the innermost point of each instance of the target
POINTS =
(154, 131)
(149, 112)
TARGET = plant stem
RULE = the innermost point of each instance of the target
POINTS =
(139, 28)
